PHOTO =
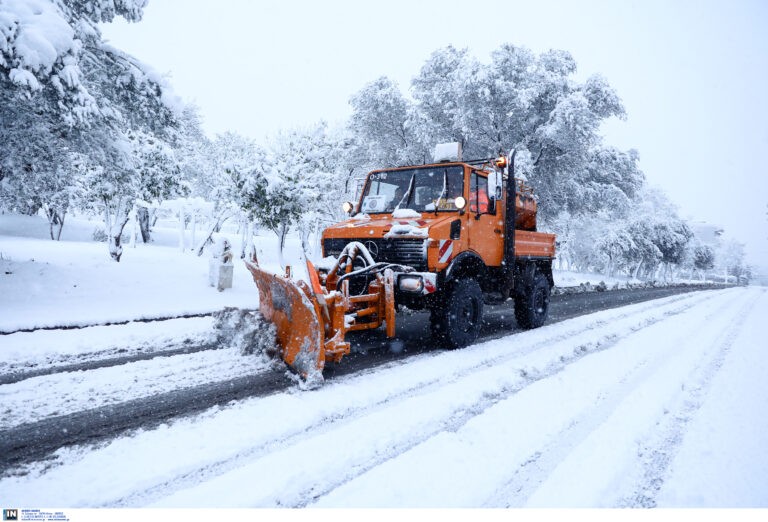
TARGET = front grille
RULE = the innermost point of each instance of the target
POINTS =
(409, 252)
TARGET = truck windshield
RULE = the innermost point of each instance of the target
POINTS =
(426, 189)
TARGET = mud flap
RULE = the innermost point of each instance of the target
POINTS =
(389, 302)
(297, 319)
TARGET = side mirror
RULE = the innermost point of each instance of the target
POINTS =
(494, 190)
(494, 185)
(347, 206)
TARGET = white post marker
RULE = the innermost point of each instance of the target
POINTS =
(220, 267)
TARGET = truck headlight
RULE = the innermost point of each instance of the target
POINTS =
(407, 283)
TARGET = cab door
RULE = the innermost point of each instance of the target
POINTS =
(485, 225)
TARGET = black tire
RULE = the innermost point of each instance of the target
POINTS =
(457, 320)
(532, 304)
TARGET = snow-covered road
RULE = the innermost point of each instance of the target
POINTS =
(659, 403)
(58, 394)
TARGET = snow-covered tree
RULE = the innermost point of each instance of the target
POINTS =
(434, 119)
(671, 237)
(380, 116)
(49, 47)
(130, 167)
(645, 255)
(87, 109)
(228, 175)
(617, 246)
(37, 162)
(139, 122)
(731, 261)
(193, 209)
(702, 257)
(41, 53)
(302, 185)
(661, 238)
(345, 159)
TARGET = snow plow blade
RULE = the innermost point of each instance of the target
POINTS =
(310, 328)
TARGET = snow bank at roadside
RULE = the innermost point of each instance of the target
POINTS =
(74, 282)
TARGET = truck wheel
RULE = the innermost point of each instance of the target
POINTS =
(532, 305)
(457, 320)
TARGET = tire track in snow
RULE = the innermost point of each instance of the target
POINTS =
(658, 451)
(411, 470)
(322, 434)
(537, 467)
(605, 467)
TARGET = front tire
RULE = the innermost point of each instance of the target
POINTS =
(457, 320)
(532, 304)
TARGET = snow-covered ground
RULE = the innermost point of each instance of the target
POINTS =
(74, 282)
(662, 403)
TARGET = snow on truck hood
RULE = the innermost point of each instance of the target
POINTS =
(397, 224)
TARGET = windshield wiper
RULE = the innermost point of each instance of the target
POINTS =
(444, 193)
(407, 196)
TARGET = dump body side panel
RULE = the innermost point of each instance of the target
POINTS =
(534, 244)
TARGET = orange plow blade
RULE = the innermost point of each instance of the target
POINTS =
(298, 319)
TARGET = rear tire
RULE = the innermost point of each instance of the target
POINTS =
(457, 320)
(532, 304)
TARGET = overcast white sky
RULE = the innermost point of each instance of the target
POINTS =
(693, 75)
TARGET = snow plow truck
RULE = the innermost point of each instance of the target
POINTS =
(445, 237)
